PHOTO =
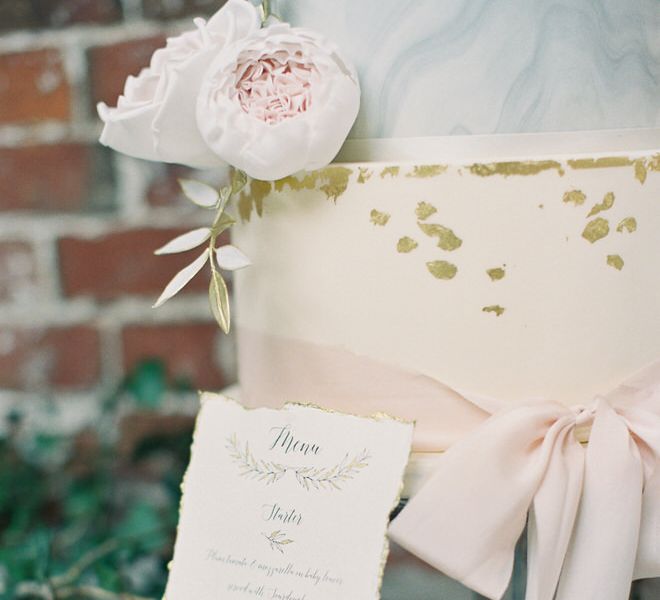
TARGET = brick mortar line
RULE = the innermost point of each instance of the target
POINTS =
(111, 352)
(39, 227)
(50, 132)
(87, 36)
(123, 312)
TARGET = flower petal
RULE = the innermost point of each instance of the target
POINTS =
(231, 258)
(201, 194)
(187, 241)
(180, 280)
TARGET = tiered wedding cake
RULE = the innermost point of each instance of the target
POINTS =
(481, 258)
(519, 266)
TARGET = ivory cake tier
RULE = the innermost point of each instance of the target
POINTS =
(419, 287)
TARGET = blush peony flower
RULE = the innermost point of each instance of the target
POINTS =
(155, 117)
(277, 102)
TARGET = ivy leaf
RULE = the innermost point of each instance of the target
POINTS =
(219, 300)
(180, 280)
(201, 194)
(231, 258)
(185, 242)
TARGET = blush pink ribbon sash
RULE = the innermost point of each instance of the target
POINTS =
(593, 515)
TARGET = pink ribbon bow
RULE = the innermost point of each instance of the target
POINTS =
(593, 515)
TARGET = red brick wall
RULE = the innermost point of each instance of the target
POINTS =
(78, 223)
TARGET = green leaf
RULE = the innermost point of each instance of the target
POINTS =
(219, 299)
(148, 383)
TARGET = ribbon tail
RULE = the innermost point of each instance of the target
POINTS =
(468, 517)
(645, 425)
(601, 556)
(553, 512)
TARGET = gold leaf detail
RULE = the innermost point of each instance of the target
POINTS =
(425, 171)
(606, 204)
(238, 181)
(596, 230)
(614, 260)
(447, 239)
(424, 210)
(654, 163)
(332, 181)
(253, 199)
(391, 171)
(379, 218)
(640, 170)
(219, 300)
(441, 269)
(308, 182)
(515, 168)
(406, 244)
(600, 163)
(576, 197)
(629, 224)
(335, 181)
(494, 308)
(365, 174)
(496, 274)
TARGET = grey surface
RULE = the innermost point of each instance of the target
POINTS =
(437, 67)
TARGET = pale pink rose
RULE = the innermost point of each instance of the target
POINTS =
(277, 102)
(155, 116)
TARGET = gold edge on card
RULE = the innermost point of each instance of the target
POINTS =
(206, 396)
(378, 416)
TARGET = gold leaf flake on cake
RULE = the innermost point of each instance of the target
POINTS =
(425, 171)
(606, 204)
(496, 273)
(640, 170)
(424, 210)
(614, 260)
(515, 168)
(406, 244)
(379, 218)
(596, 230)
(253, 198)
(447, 239)
(653, 163)
(335, 181)
(365, 174)
(391, 171)
(628, 224)
(576, 197)
(332, 181)
(441, 269)
(600, 163)
(295, 184)
(494, 308)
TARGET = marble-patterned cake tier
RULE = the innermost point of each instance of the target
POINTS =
(438, 67)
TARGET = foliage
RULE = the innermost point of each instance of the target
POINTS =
(94, 516)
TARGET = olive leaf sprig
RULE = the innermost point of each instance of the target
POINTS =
(228, 257)
(334, 477)
(277, 539)
(262, 470)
